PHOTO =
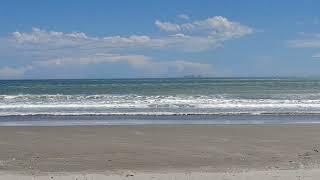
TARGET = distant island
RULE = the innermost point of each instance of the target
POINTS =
(193, 76)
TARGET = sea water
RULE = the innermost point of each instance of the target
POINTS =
(160, 101)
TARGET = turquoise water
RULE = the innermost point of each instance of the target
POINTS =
(160, 97)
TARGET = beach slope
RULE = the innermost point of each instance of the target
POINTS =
(161, 151)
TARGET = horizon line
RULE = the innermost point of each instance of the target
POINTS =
(196, 77)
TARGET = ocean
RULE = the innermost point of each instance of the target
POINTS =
(160, 101)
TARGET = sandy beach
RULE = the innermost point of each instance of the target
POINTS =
(161, 152)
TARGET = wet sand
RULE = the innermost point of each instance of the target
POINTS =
(160, 150)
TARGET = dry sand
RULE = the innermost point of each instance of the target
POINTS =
(161, 152)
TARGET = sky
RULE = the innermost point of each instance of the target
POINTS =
(148, 39)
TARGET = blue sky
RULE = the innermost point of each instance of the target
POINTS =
(129, 39)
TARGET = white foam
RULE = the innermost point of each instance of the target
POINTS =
(155, 105)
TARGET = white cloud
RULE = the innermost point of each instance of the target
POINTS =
(47, 48)
(145, 64)
(309, 41)
(134, 39)
(306, 41)
(55, 39)
(221, 26)
(216, 26)
(204, 34)
(183, 16)
(38, 36)
(140, 62)
(191, 67)
(134, 60)
(10, 72)
(167, 26)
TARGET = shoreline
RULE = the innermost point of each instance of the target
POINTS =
(141, 120)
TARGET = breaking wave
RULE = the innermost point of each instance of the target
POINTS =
(110, 104)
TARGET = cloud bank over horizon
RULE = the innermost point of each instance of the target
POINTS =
(50, 49)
